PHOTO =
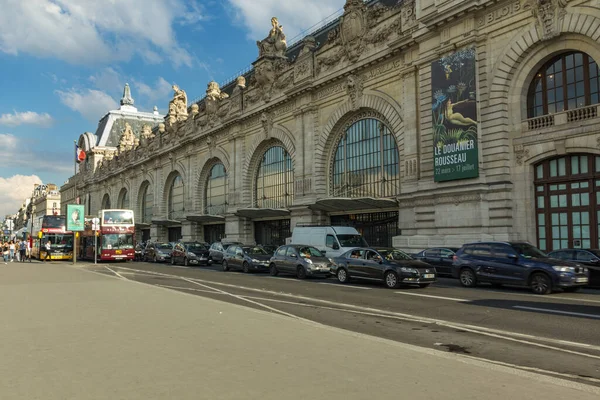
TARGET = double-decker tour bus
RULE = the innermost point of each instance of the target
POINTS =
(115, 236)
(54, 230)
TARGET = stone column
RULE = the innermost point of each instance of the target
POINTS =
(238, 228)
(189, 231)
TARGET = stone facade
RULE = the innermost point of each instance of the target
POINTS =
(374, 62)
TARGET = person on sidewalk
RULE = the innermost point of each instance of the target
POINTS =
(22, 250)
(17, 252)
(11, 250)
(48, 252)
(5, 252)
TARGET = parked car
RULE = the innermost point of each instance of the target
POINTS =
(190, 253)
(393, 267)
(516, 263)
(247, 258)
(331, 240)
(587, 257)
(217, 249)
(300, 260)
(158, 252)
(440, 257)
(269, 248)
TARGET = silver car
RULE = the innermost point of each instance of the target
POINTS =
(300, 260)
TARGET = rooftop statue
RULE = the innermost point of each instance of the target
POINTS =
(178, 105)
(213, 92)
(273, 45)
(127, 100)
(128, 140)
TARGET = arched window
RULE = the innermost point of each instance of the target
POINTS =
(106, 202)
(146, 203)
(123, 199)
(366, 162)
(275, 179)
(215, 195)
(567, 191)
(566, 82)
(175, 202)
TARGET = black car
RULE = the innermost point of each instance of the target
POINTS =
(217, 249)
(300, 260)
(158, 252)
(441, 258)
(587, 257)
(190, 253)
(516, 263)
(391, 266)
(246, 258)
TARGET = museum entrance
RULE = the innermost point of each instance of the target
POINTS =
(272, 233)
(214, 233)
(378, 228)
(567, 202)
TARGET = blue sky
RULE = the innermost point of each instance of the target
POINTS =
(63, 65)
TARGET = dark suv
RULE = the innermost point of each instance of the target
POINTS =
(516, 263)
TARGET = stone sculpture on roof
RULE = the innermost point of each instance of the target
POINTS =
(128, 139)
(127, 100)
(177, 106)
(275, 44)
(213, 92)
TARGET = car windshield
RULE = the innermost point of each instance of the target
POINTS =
(116, 241)
(352, 241)
(164, 246)
(595, 252)
(528, 251)
(394, 255)
(196, 247)
(255, 251)
(308, 252)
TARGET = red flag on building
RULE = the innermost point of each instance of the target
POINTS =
(80, 154)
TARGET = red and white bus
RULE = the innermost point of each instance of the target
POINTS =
(53, 229)
(115, 236)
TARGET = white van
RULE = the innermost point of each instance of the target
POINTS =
(332, 240)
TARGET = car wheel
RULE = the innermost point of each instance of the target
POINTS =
(572, 289)
(172, 260)
(225, 266)
(391, 280)
(155, 259)
(246, 268)
(273, 270)
(300, 272)
(342, 275)
(424, 285)
(541, 284)
(467, 277)
(209, 261)
(186, 262)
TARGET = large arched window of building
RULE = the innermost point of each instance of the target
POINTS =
(176, 196)
(146, 202)
(366, 162)
(106, 202)
(275, 179)
(123, 201)
(566, 82)
(215, 195)
(567, 191)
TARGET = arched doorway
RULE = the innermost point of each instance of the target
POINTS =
(175, 206)
(567, 191)
(123, 202)
(146, 202)
(215, 201)
(105, 202)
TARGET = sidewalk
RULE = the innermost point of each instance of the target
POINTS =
(71, 334)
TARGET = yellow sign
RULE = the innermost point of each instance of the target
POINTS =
(119, 252)
(39, 235)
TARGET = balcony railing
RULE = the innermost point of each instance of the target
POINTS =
(564, 117)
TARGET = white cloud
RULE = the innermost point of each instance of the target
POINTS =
(33, 155)
(295, 16)
(160, 91)
(90, 103)
(91, 31)
(108, 79)
(14, 190)
(26, 118)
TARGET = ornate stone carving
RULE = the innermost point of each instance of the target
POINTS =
(409, 16)
(213, 92)
(241, 82)
(381, 34)
(521, 154)
(304, 65)
(162, 128)
(128, 140)
(354, 89)
(353, 28)
(549, 15)
(177, 106)
(127, 100)
(212, 103)
(195, 110)
(275, 44)
(326, 62)
(266, 72)
(266, 120)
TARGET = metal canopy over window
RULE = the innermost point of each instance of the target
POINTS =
(176, 198)
(349, 204)
(215, 195)
(566, 82)
(275, 179)
(366, 162)
(567, 198)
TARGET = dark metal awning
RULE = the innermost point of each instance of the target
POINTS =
(205, 218)
(142, 225)
(166, 222)
(253, 213)
(337, 204)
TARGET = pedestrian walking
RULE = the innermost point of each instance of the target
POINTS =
(48, 251)
(11, 250)
(5, 252)
(22, 250)
(29, 247)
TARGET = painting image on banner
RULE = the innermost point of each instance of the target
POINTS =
(454, 108)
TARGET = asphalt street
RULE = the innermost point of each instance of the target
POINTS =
(151, 331)
(554, 334)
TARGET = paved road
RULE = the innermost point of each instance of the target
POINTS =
(68, 333)
(554, 334)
